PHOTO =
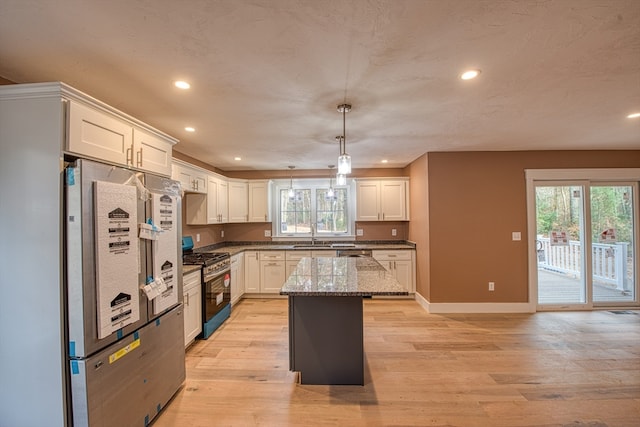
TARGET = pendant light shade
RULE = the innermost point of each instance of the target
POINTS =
(344, 160)
(341, 179)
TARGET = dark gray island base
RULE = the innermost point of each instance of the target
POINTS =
(325, 316)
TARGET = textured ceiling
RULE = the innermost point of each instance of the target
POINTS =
(268, 75)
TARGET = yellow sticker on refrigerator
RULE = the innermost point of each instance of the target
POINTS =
(124, 351)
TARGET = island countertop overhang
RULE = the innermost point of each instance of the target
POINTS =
(341, 276)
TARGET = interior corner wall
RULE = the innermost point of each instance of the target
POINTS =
(419, 225)
(476, 200)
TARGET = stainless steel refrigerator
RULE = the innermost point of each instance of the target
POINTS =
(123, 276)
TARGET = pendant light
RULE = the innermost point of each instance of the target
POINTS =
(292, 192)
(331, 193)
(344, 160)
(341, 178)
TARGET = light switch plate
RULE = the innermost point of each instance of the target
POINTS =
(516, 235)
(359, 232)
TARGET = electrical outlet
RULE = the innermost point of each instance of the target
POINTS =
(492, 286)
(221, 233)
(267, 233)
(516, 235)
(394, 232)
(197, 237)
(359, 232)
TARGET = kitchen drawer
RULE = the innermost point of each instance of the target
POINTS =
(190, 280)
(272, 255)
(297, 255)
(393, 255)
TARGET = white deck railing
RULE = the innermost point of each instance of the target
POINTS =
(609, 261)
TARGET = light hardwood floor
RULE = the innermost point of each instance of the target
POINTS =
(544, 369)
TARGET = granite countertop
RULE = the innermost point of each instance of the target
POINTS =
(301, 246)
(341, 277)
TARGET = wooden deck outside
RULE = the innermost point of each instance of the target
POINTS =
(559, 288)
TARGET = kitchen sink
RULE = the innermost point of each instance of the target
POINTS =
(324, 246)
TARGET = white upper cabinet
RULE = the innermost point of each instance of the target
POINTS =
(238, 201)
(259, 201)
(382, 200)
(151, 152)
(96, 134)
(217, 200)
(104, 135)
(192, 179)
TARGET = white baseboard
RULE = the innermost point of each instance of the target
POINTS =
(474, 307)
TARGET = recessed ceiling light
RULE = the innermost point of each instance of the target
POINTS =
(470, 74)
(190, 129)
(385, 161)
(182, 84)
(633, 116)
(237, 159)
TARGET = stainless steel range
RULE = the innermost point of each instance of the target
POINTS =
(216, 291)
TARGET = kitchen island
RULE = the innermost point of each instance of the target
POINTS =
(326, 342)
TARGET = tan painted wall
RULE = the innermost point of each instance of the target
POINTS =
(476, 199)
(382, 230)
(418, 227)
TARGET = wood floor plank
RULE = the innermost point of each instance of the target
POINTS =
(545, 369)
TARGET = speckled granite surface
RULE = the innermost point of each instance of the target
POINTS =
(341, 277)
(233, 249)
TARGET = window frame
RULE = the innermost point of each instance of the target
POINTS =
(312, 184)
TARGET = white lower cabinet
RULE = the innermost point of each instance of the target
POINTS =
(401, 265)
(272, 271)
(251, 272)
(292, 260)
(237, 277)
(192, 292)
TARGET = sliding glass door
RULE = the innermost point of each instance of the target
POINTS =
(560, 245)
(585, 244)
(613, 240)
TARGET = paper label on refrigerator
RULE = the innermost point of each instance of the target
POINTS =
(116, 226)
(165, 249)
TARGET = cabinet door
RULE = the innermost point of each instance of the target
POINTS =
(182, 175)
(404, 274)
(272, 276)
(192, 307)
(212, 201)
(251, 272)
(98, 134)
(191, 180)
(393, 200)
(151, 152)
(238, 201)
(237, 277)
(368, 201)
(259, 201)
(223, 201)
